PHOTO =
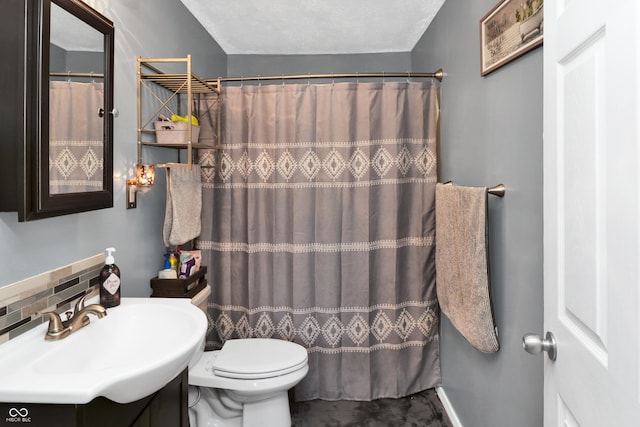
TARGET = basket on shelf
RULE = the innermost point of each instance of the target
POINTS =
(168, 132)
(179, 288)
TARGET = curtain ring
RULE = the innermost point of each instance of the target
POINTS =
(283, 80)
(333, 80)
(91, 75)
(259, 82)
(408, 76)
(357, 78)
(308, 79)
(241, 81)
(69, 76)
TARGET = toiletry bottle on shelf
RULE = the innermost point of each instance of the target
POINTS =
(167, 272)
(110, 282)
(173, 260)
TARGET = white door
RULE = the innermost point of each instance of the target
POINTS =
(591, 212)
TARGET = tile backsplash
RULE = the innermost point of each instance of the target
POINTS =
(22, 303)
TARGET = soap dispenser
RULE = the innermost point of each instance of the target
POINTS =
(110, 282)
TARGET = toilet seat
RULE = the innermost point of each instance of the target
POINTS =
(268, 372)
(258, 358)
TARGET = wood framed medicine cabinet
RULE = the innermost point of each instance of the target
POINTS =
(44, 43)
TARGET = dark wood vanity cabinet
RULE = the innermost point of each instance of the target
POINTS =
(167, 407)
(31, 33)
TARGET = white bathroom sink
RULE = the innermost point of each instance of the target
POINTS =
(131, 353)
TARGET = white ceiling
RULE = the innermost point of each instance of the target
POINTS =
(296, 27)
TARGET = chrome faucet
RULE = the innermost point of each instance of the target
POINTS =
(76, 320)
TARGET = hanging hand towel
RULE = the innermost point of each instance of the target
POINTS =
(183, 207)
(462, 275)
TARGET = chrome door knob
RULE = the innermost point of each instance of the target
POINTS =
(535, 344)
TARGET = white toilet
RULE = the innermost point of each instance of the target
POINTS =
(244, 384)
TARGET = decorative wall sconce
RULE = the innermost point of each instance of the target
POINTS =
(145, 177)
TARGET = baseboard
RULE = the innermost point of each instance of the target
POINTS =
(448, 407)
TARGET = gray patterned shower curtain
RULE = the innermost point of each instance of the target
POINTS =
(76, 137)
(318, 227)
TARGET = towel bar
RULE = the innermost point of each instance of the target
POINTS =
(496, 190)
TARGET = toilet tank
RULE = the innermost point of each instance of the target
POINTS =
(201, 299)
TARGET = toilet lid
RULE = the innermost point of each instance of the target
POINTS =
(255, 358)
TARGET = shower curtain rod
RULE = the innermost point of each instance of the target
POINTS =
(72, 74)
(438, 75)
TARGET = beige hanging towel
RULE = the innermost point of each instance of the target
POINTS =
(462, 274)
(184, 205)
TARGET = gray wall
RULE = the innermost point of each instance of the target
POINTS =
(57, 58)
(61, 60)
(254, 65)
(492, 133)
(152, 29)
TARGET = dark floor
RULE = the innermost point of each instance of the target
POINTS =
(422, 409)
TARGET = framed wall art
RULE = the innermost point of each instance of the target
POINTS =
(509, 30)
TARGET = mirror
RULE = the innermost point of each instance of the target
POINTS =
(76, 104)
(73, 168)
